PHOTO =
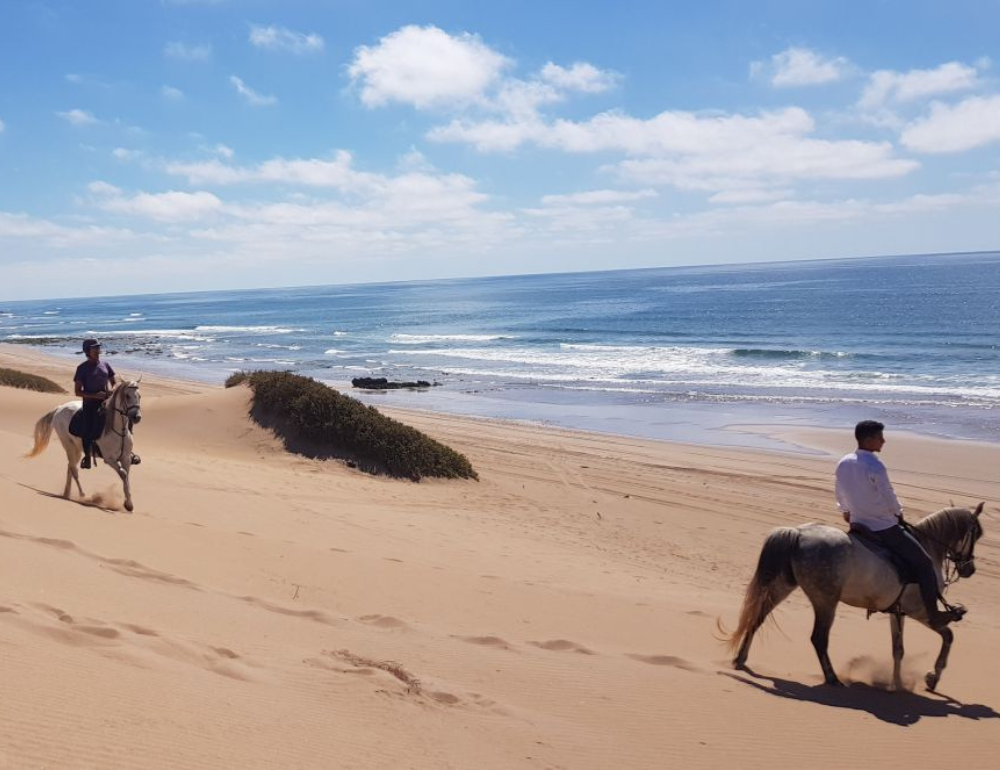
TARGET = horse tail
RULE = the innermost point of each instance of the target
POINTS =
(43, 432)
(771, 583)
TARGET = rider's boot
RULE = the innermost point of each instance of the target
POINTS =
(86, 463)
(941, 618)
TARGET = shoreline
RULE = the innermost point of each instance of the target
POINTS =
(908, 453)
(723, 424)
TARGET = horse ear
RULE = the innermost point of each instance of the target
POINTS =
(979, 510)
(139, 380)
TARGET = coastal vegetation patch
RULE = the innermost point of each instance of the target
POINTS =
(12, 378)
(315, 420)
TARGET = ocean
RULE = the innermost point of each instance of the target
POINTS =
(690, 353)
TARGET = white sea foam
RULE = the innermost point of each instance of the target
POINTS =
(177, 334)
(423, 339)
(694, 367)
(247, 329)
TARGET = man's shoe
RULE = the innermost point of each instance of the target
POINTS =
(942, 618)
(136, 460)
(86, 462)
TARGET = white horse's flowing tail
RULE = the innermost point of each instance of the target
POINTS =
(771, 583)
(43, 432)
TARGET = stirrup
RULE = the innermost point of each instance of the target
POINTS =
(955, 612)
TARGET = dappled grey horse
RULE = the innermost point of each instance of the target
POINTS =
(832, 566)
(114, 444)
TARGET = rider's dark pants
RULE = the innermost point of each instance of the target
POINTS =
(902, 543)
(91, 409)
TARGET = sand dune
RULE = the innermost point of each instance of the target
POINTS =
(263, 610)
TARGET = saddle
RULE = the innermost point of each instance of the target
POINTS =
(76, 424)
(861, 534)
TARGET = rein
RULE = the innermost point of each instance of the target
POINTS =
(953, 557)
(117, 396)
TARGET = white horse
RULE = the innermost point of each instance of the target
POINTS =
(114, 444)
(832, 566)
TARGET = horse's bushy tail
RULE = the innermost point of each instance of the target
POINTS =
(43, 432)
(771, 583)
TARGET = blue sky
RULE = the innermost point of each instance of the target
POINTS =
(170, 145)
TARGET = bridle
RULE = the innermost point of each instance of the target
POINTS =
(957, 559)
(130, 414)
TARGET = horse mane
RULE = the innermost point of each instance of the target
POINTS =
(948, 525)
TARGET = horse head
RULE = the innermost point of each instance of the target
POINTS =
(964, 556)
(130, 400)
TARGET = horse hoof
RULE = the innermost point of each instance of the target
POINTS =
(129, 506)
(931, 681)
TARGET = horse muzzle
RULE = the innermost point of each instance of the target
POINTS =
(966, 569)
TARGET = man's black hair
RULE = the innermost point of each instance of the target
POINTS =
(867, 429)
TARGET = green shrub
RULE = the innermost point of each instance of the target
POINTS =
(15, 379)
(236, 378)
(320, 421)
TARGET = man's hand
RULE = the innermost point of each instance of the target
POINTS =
(847, 516)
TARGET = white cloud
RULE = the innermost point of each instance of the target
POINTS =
(34, 231)
(971, 123)
(801, 67)
(185, 52)
(692, 151)
(103, 188)
(170, 206)
(337, 172)
(599, 197)
(281, 39)
(2, 126)
(252, 97)
(888, 86)
(171, 94)
(126, 155)
(426, 67)
(749, 195)
(77, 117)
(224, 151)
(582, 77)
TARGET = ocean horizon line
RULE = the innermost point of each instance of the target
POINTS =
(502, 276)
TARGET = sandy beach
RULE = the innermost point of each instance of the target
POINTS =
(262, 610)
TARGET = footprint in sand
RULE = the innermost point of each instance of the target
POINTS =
(382, 621)
(445, 697)
(487, 641)
(139, 630)
(8, 609)
(562, 645)
(667, 660)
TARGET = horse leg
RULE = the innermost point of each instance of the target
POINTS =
(896, 624)
(933, 677)
(825, 611)
(123, 475)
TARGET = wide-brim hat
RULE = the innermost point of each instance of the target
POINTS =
(88, 344)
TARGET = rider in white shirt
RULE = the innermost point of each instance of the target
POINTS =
(867, 500)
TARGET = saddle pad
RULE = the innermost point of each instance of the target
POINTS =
(76, 424)
(902, 568)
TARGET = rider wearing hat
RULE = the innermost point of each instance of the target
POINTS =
(92, 382)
